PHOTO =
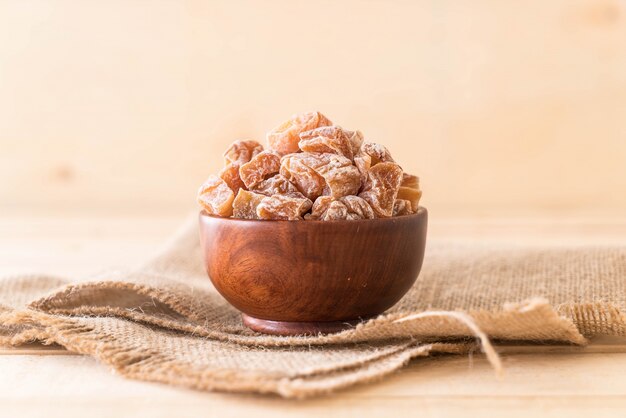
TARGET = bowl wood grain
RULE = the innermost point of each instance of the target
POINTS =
(304, 277)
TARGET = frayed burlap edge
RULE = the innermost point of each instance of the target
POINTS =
(522, 319)
(533, 319)
(599, 318)
(159, 367)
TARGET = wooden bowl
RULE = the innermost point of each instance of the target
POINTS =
(307, 277)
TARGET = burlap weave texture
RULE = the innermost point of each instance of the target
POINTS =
(164, 321)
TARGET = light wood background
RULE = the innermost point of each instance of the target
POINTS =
(502, 107)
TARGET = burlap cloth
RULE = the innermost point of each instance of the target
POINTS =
(164, 322)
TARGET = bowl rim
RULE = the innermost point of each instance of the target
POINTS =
(421, 211)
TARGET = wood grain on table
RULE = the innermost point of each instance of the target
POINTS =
(548, 380)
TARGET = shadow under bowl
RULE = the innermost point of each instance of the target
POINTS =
(309, 277)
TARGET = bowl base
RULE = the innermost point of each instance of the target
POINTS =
(267, 326)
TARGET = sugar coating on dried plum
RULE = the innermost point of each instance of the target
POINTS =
(312, 169)
(368, 156)
(246, 203)
(216, 197)
(327, 139)
(321, 174)
(358, 208)
(342, 178)
(242, 151)
(327, 208)
(281, 207)
(319, 208)
(356, 140)
(263, 165)
(382, 188)
(284, 138)
(296, 168)
(277, 184)
(230, 174)
(402, 207)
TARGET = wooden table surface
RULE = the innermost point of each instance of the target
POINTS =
(546, 380)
